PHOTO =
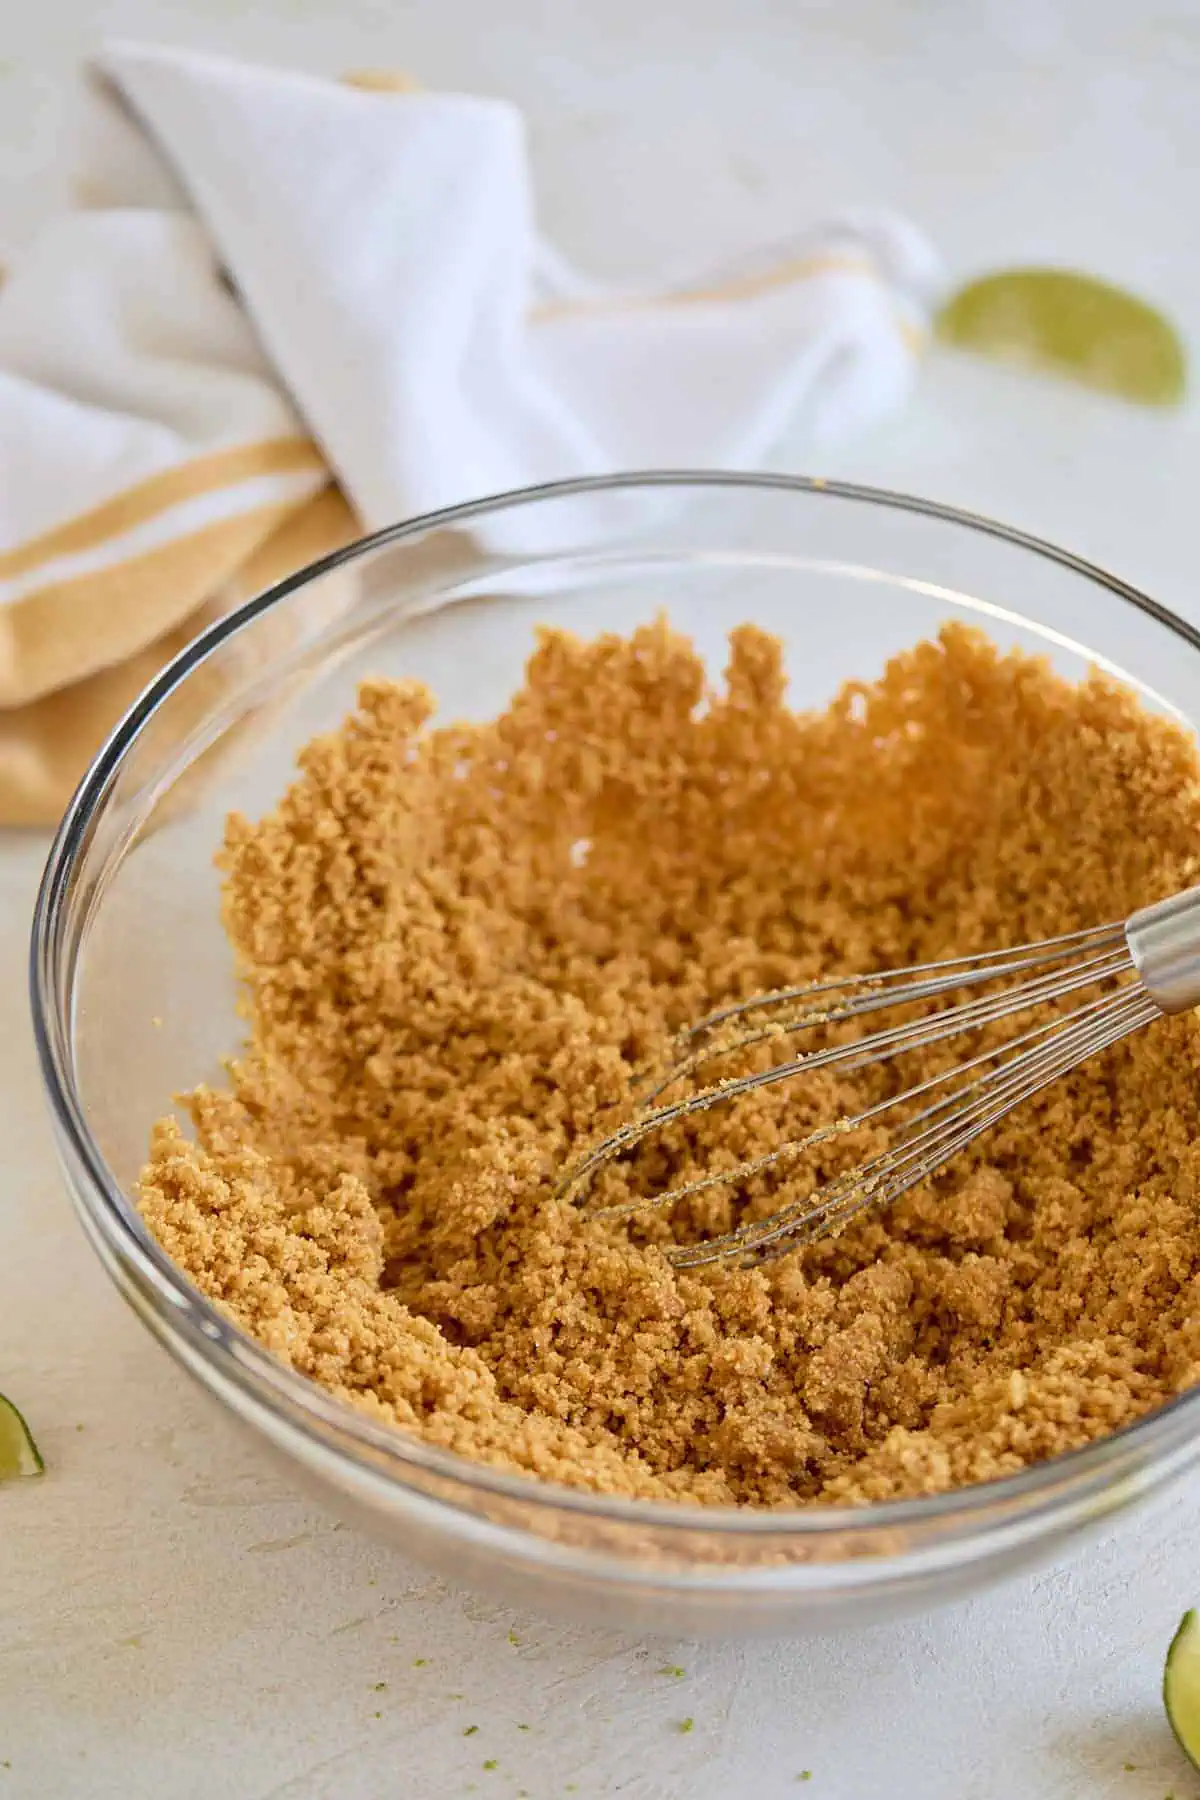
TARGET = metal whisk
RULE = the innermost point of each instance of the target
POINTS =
(1146, 968)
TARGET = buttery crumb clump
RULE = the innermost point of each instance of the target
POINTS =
(459, 945)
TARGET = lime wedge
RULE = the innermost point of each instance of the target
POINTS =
(1073, 324)
(19, 1455)
(1181, 1686)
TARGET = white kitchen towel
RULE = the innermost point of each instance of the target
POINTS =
(274, 281)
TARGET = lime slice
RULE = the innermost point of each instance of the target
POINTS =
(19, 1455)
(1181, 1686)
(1074, 324)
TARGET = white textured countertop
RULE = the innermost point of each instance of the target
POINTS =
(174, 1623)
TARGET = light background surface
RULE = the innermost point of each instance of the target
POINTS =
(174, 1623)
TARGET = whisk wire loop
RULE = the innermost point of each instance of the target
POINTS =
(1145, 967)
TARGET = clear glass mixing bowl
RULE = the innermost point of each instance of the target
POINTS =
(133, 996)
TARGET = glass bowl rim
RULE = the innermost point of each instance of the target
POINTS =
(329, 1423)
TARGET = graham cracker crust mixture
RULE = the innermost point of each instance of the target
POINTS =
(460, 944)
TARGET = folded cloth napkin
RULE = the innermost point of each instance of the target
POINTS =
(286, 309)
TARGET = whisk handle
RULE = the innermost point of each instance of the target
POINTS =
(1164, 942)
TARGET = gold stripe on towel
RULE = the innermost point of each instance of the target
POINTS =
(157, 493)
(46, 746)
(68, 629)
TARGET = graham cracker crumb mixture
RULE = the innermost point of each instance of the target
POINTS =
(459, 945)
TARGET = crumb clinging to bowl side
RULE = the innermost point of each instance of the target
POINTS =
(459, 944)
